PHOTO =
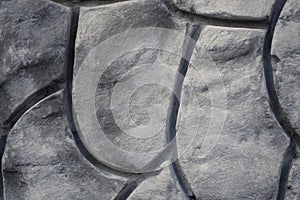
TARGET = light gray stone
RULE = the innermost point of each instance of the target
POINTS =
(240, 160)
(41, 160)
(286, 61)
(133, 92)
(159, 187)
(33, 39)
(228, 9)
(292, 191)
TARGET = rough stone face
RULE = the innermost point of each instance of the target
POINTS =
(133, 91)
(245, 155)
(286, 61)
(229, 143)
(159, 187)
(292, 192)
(33, 40)
(41, 160)
(228, 9)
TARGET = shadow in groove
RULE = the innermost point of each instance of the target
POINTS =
(192, 31)
(275, 105)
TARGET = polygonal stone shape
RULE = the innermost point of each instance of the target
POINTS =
(111, 47)
(33, 43)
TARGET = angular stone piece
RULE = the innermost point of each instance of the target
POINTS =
(228, 9)
(33, 39)
(134, 89)
(286, 61)
(240, 160)
(159, 187)
(41, 160)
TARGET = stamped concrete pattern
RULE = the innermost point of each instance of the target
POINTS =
(33, 40)
(149, 99)
(41, 160)
(286, 59)
(235, 9)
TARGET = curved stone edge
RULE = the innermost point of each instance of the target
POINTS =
(41, 159)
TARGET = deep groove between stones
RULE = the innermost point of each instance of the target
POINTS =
(209, 20)
(275, 105)
(87, 3)
(135, 179)
(51, 88)
(129, 187)
(192, 31)
(287, 163)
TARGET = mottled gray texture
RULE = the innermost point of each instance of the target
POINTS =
(134, 72)
(41, 160)
(33, 40)
(286, 61)
(293, 192)
(241, 159)
(228, 9)
(245, 160)
(160, 187)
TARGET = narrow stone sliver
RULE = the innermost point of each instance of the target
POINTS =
(193, 32)
(275, 104)
(210, 20)
(3, 140)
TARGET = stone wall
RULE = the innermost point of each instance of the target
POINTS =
(150, 99)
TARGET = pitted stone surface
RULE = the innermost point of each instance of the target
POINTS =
(159, 187)
(33, 39)
(245, 160)
(138, 73)
(286, 61)
(242, 159)
(41, 160)
(292, 192)
(228, 9)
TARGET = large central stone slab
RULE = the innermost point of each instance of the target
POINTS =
(121, 106)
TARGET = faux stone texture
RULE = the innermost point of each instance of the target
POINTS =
(286, 61)
(237, 145)
(159, 187)
(133, 93)
(243, 161)
(228, 9)
(41, 160)
(33, 38)
(293, 192)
